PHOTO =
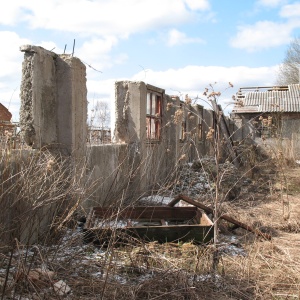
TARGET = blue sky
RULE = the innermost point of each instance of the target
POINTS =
(179, 45)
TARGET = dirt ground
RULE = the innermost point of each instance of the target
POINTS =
(273, 266)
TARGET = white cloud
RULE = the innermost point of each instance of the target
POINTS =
(12, 13)
(100, 89)
(290, 11)
(121, 58)
(51, 46)
(196, 78)
(198, 4)
(10, 48)
(11, 70)
(97, 46)
(262, 35)
(95, 52)
(190, 80)
(271, 3)
(114, 17)
(176, 37)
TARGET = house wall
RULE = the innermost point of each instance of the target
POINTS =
(108, 173)
(287, 139)
(5, 115)
(243, 127)
(291, 135)
(5, 125)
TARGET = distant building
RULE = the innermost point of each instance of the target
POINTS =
(5, 118)
(268, 113)
(99, 135)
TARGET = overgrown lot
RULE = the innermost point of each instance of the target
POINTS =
(249, 267)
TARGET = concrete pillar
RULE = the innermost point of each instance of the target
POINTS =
(71, 105)
(38, 97)
(130, 111)
(53, 101)
(238, 128)
(130, 128)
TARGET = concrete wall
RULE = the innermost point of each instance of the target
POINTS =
(136, 165)
(108, 173)
(53, 118)
(54, 112)
(243, 126)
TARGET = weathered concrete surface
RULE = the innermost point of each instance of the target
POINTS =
(53, 101)
(108, 173)
(156, 160)
(38, 97)
(71, 104)
(130, 111)
(28, 205)
(130, 128)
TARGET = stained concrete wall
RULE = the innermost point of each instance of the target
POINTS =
(38, 97)
(150, 159)
(108, 173)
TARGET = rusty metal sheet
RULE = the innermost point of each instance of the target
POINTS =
(152, 223)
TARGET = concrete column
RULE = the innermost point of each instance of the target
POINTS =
(130, 128)
(130, 111)
(71, 105)
(38, 97)
(238, 130)
(53, 101)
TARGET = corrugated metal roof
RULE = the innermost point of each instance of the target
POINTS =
(271, 100)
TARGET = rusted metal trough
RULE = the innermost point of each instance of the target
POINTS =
(151, 223)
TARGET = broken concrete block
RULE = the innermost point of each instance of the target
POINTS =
(61, 288)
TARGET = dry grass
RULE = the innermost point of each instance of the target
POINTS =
(262, 270)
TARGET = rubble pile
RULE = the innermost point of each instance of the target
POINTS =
(200, 177)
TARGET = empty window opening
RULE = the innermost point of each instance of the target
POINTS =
(200, 121)
(154, 115)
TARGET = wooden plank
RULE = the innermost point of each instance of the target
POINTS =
(224, 217)
(225, 131)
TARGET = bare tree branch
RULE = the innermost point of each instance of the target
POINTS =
(289, 70)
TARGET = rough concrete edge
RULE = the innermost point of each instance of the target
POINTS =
(155, 88)
(36, 49)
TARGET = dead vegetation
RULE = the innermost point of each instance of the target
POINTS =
(249, 267)
(61, 266)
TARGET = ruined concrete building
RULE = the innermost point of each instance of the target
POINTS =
(154, 132)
